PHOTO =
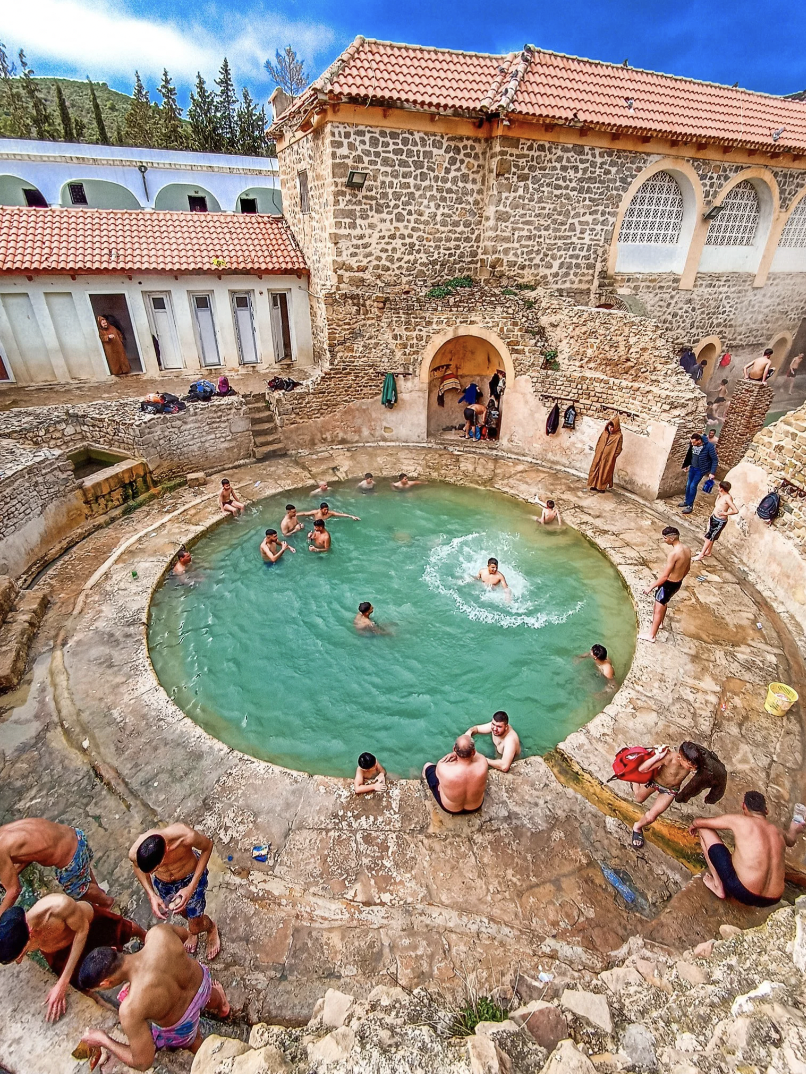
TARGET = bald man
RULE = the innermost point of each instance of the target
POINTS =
(459, 780)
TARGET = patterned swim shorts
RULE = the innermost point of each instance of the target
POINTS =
(169, 889)
(76, 878)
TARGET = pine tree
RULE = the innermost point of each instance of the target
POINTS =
(288, 72)
(205, 122)
(227, 102)
(100, 126)
(251, 127)
(169, 131)
(64, 115)
(79, 128)
(13, 101)
(139, 126)
(41, 118)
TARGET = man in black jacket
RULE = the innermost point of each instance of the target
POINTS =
(701, 459)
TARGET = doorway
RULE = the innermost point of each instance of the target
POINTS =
(163, 330)
(245, 327)
(205, 330)
(115, 308)
(280, 327)
(459, 363)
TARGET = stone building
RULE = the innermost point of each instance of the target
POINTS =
(628, 202)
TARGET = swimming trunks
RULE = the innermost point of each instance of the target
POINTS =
(663, 790)
(433, 782)
(183, 1033)
(715, 527)
(169, 889)
(470, 415)
(75, 878)
(722, 861)
(665, 592)
(106, 930)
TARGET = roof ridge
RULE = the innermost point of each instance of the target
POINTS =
(438, 48)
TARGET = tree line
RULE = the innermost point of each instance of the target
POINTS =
(218, 119)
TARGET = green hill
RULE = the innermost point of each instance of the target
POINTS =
(114, 105)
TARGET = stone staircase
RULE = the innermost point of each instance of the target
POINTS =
(265, 432)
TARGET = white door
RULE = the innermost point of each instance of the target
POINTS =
(280, 327)
(245, 328)
(205, 325)
(164, 328)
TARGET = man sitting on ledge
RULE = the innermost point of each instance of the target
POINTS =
(459, 780)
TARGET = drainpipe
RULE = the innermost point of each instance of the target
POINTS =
(142, 169)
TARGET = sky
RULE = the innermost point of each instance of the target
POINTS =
(758, 43)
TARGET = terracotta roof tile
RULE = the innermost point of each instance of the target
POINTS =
(110, 240)
(550, 86)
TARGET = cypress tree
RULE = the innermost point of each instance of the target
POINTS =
(205, 122)
(138, 125)
(120, 137)
(42, 119)
(251, 127)
(79, 128)
(100, 126)
(170, 133)
(227, 107)
(13, 100)
(64, 115)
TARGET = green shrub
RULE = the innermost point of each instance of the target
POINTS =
(444, 290)
(481, 1009)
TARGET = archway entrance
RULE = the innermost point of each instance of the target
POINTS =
(455, 360)
(708, 350)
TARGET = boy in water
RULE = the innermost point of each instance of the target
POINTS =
(491, 575)
(368, 484)
(724, 507)
(183, 561)
(228, 501)
(320, 489)
(404, 483)
(599, 655)
(669, 768)
(319, 538)
(290, 524)
(551, 513)
(363, 622)
(370, 777)
(323, 513)
(505, 739)
(271, 549)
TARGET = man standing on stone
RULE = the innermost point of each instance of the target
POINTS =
(701, 459)
(459, 780)
(678, 564)
(759, 368)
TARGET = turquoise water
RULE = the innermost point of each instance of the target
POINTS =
(266, 657)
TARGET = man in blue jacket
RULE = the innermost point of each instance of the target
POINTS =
(701, 459)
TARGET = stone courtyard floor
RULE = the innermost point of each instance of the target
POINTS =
(357, 893)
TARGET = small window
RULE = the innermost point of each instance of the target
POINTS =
(202, 302)
(78, 195)
(738, 222)
(655, 214)
(35, 200)
(158, 302)
(248, 205)
(794, 233)
(197, 203)
(241, 302)
(304, 202)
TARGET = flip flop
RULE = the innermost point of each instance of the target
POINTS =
(637, 840)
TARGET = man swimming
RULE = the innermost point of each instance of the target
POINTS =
(598, 654)
(319, 538)
(183, 561)
(164, 993)
(363, 622)
(669, 768)
(320, 489)
(551, 513)
(505, 739)
(271, 549)
(370, 776)
(171, 865)
(63, 931)
(228, 501)
(492, 577)
(290, 524)
(368, 484)
(678, 564)
(323, 513)
(56, 846)
(404, 483)
(724, 507)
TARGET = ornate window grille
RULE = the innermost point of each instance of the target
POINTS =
(655, 214)
(794, 233)
(738, 222)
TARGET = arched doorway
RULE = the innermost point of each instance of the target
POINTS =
(708, 350)
(781, 345)
(452, 361)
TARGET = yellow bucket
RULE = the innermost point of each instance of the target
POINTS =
(780, 698)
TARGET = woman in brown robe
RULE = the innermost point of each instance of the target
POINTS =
(116, 357)
(608, 449)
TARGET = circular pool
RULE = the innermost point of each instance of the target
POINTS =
(266, 657)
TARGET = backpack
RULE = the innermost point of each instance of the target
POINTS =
(627, 762)
(570, 418)
(769, 507)
(223, 386)
(201, 391)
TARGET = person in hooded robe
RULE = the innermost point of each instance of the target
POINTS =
(608, 449)
(114, 349)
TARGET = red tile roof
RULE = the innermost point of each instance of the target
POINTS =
(111, 240)
(549, 86)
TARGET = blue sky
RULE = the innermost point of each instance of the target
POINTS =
(758, 44)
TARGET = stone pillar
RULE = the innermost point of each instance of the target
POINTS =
(748, 408)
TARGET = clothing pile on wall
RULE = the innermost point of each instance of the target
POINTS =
(282, 384)
(553, 420)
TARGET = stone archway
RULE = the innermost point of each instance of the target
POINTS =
(709, 349)
(473, 354)
(781, 345)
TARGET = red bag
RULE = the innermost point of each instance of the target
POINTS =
(627, 762)
(724, 360)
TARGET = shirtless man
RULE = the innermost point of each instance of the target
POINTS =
(474, 415)
(183, 561)
(57, 846)
(724, 507)
(324, 514)
(404, 483)
(320, 489)
(363, 622)
(505, 739)
(598, 654)
(492, 577)
(63, 930)
(319, 538)
(290, 524)
(163, 986)
(678, 564)
(370, 776)
(754, 873)
(669, 768)
(271, 549)
(171, 865)
(792, 372)
(228, 501)
(459, 780)
(551, 513)
(368, 484)
(759, 368)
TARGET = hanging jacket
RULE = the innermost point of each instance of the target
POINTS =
(570, 418)
(710, 775)
(553, 420)
(470, 394)
(389, 393)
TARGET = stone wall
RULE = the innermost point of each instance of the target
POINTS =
(780, 450)
(748, 408)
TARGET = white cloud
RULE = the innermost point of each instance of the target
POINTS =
(93, 37)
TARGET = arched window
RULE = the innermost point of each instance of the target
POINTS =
(794, 233)
(738, 222)
(655, 214)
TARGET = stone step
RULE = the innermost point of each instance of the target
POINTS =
(270, 451)
(8, 594)
(268, 441)
(262, 424)
(19, 631)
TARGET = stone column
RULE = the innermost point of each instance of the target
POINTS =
(748, 408)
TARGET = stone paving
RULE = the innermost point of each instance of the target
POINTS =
(355, 892)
